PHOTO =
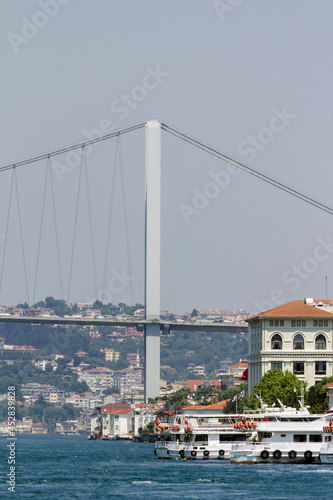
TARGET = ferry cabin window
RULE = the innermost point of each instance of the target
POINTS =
(320, 342)
(276, 341)
(315, 438)
(299, 368)
(320, 368)
(276, 365)
(228, 438)
(299, 438)
(202, 438)
(298, 342)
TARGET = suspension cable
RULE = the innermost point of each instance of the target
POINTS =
(113, 182)
(75, 226)
(249, 170)
(73, 146)
(7, 228)
(40, 228)
(21, 233)
(92, 239)
(56, 236)
(128, 248)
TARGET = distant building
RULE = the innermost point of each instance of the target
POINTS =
(97, 379)
(233, 377)
(128, 381)
(194, 385)
(111, 354)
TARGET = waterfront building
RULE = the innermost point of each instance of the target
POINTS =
(112, 420)
(296, 336)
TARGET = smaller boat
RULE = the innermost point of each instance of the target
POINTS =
(326, 451)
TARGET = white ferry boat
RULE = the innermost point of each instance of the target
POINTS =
(213, 437)
(283, 439)
(326, 451)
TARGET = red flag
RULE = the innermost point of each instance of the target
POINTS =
(157, 423)
(265, 419)
(185, 421)
(330, 424)
(245, 375)
(170, 413)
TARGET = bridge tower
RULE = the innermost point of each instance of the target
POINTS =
(152, 257)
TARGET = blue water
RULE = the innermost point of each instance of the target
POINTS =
(60, 467)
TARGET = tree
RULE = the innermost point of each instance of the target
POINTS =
(194, 313)
(277, 384)
(317, 396)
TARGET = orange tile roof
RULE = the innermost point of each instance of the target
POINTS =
(216, 406)
(191, 383)
(294, 309)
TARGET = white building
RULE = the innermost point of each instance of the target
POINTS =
(128, 381)
(297, 336)
(112, 420)
(97, 379)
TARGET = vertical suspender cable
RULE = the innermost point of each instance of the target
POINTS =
(75, 227)
(22, 242)
(113, 182)
(40, 228)
(7, 228)
(92, 239)
(128, 249)
(57, 237)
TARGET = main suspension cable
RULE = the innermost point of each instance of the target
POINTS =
(247, 169)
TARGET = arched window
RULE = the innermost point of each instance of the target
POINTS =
(276, 341)
(320, 342)
(298, 342)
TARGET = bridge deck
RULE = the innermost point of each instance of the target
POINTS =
(165, 326)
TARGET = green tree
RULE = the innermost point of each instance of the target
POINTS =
(274, 385)
(317, 396)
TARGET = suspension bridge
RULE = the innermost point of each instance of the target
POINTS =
(152, 325)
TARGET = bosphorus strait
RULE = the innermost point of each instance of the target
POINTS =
(63, 467)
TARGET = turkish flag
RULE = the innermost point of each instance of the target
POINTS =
(245, 375)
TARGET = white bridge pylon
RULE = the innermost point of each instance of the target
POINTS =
(152, 258)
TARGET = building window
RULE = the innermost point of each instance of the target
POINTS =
(276, 341)
(271, 322)
(320, 368)
(293, 322)
(276, 365)
(325, 322)
(303, 322)
(299, 368)
(281, 322)
(320, 322)
(315, 322)
(276, 322)
(298, 342)
(320, 342)
(298, 322)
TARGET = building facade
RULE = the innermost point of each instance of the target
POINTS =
(296, 336)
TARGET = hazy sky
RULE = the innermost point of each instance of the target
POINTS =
(252, 78)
